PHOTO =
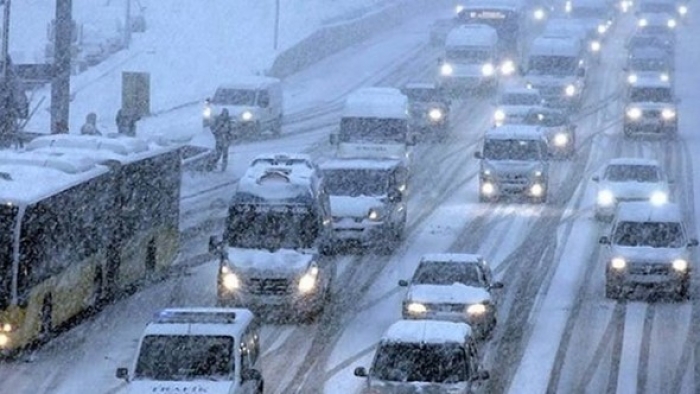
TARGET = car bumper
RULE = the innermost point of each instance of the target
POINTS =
(650, 127)
(364, 234)
(662, 280)
(510, 189)
(292, 302)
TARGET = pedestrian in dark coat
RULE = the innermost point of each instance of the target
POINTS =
(126, 122)
(223, 134)
(90, 126)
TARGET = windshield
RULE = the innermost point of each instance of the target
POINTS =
(423, 95)
(512, 150)
(520, 99)
(377, 130)
(546, 119)
(657, 95)
(658, 8)
(553, 65)
(185, 357)
(271, 227)
(407, 362)
(652, 234)
(471, 56)
(649, 41)
(8, 219)
(447, 273)
(588, 13)
(632, 173)
(234, 97)
(648, 64)
(347, 182)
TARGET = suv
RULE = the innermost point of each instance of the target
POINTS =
(425, 356)
(514, 103)
(197, 350)
(648, 245)
(429, 109)
(651, 108)
(368, 200)
(664, 42)
(457, 287)
(254, 104)
(648, 62)
(514, 160)
(628, 179)
(278, 229)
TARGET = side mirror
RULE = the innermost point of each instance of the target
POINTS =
(693, 242)
(481, 375)
(334, 139)
(581, 72)
(478, 155)
(360, 372)
(122, 373)
(604, 240)
(215, 244)
(394, 196)
(403, 283)
(496, 285)
(251, 375)
(595, 178)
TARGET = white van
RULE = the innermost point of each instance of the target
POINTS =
(374, 125)
(253, 103)
(471, 56)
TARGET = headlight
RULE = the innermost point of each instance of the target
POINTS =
(476, 309)
(664, 77)
(247, 116)
(459, 9)
(570, 90)
(680, 265)
(487, 70)
(642, 22)
(374, 214)
(602, 29)
(206, 112)
(561, 139)
(416, 308)
(567, 6)
(307, 283)
(658, 198)
(538, 14)
(499, 115)
(435, 114)
(231, 281)
(487, 189)
(606, 198)
(632, 78)
(446, 69)
(537, 190)
(671, 23)
(682, 10)
(634, 113)
(4, 340)
(618, 263)
(537, 174)
(595, 46)
(508, 67)
(668, 114)
(529, 85)
(7, 327)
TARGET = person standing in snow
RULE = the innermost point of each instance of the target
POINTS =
(223, 134)
(90, 126)
(126, 122)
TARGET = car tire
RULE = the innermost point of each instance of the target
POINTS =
(612, 291)
(683, 293)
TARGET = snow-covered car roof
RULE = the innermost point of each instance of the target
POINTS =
(376, 102)
(514, 132)
(283, 159)
(27, 177)
(559, 46)
(278, 181)
(472, 35)
(200, 321)
(249, 82)
(420, 85)
(498, 5)
(648, 53)
(632, 161)
(654, 19)
(466, 258)
(427, 331)
(644, 211)
(360, 164)
(651, 81)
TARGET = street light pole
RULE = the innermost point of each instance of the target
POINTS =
(5, 39)
(277, 24)
(60, 84)
(127, 25)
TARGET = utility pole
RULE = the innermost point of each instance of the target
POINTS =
(277, 24)
(5, 39)
(127, 25)
(60, 84)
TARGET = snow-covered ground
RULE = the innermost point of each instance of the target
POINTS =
(556, 331)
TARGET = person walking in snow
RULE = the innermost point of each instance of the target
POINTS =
(223, 134)
(90, 126)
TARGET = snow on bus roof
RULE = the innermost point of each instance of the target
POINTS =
(427, 331)
(645, 211)
(472, 35)
(28, 177)
(200, 321)
(360, 164)
(514, 131)
(376, 102)
(100, 148)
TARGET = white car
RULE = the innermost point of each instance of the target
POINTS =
(197, 350)
(629, 179)
(648, 246)
(515, 103)
(455, 287)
